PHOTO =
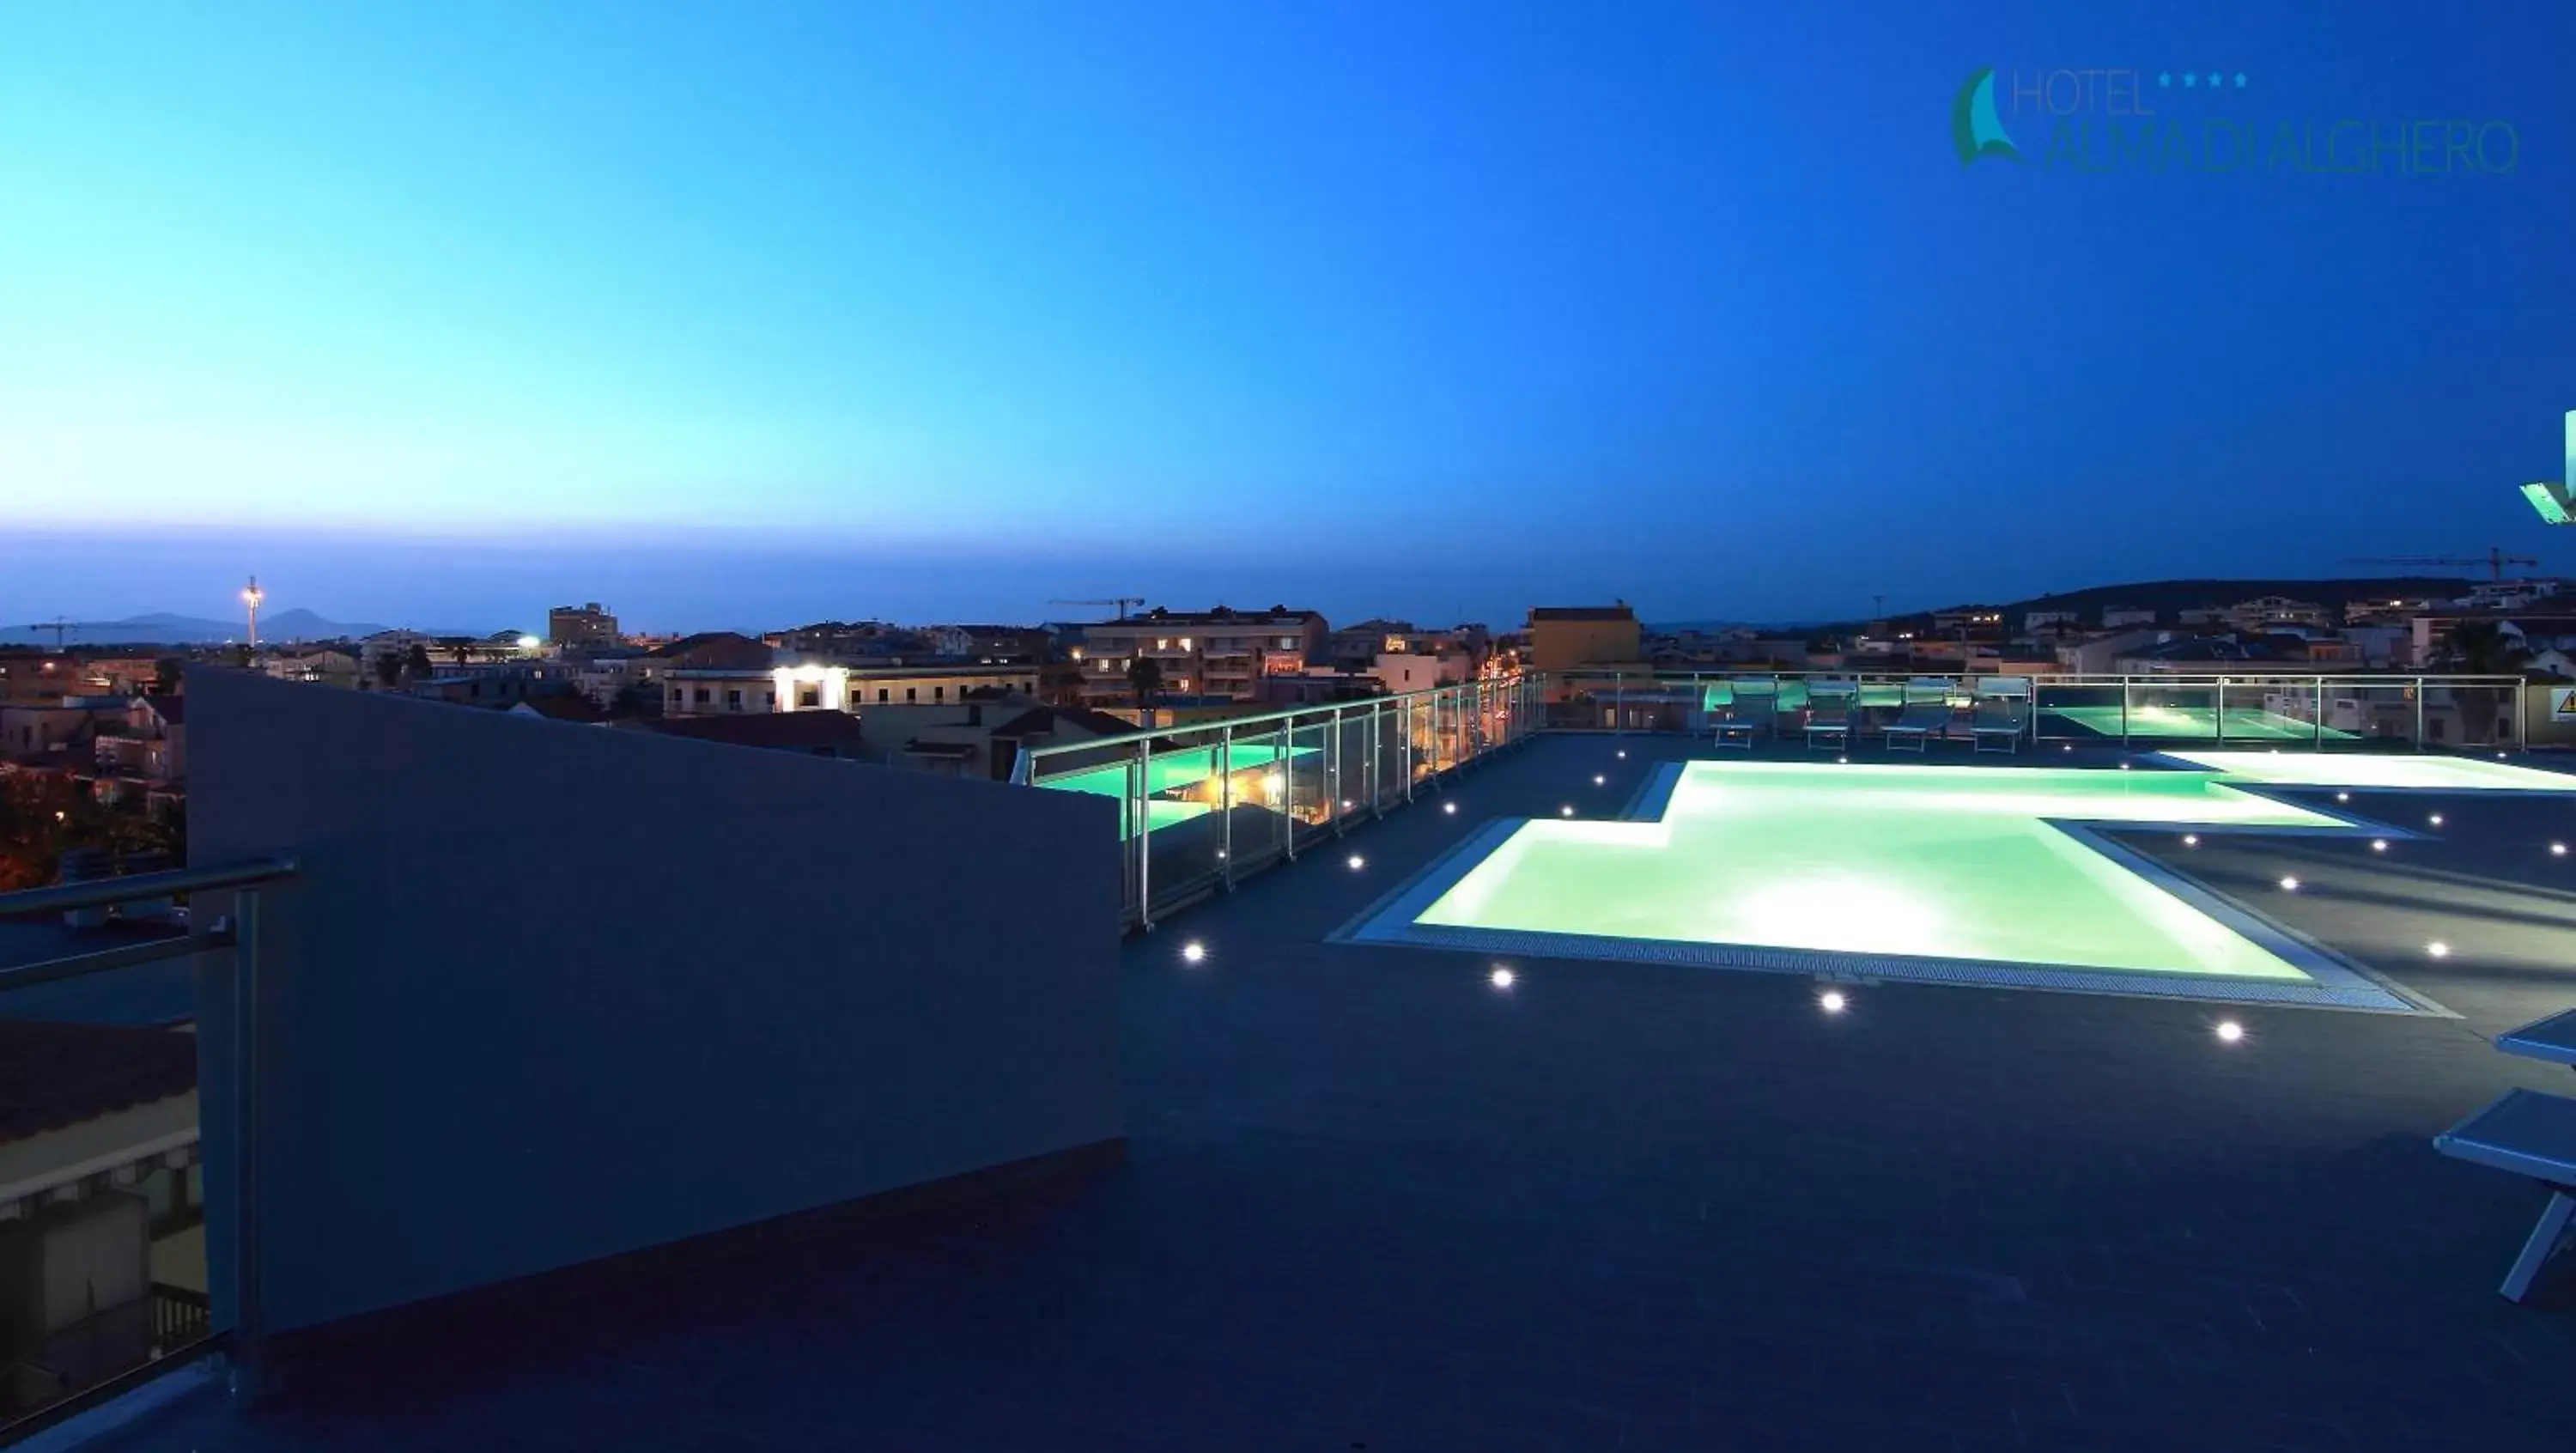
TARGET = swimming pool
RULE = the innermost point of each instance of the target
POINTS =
(2164, 722)
(1963, 874)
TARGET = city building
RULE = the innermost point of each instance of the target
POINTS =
(580, 626)
(2117, 617)
(1565, 637)
(1219, 652)
(102, 1244)
(2273, 612)
(143, 758)
(317, 665)
(807, 733)
(979, 737)
(814, 686)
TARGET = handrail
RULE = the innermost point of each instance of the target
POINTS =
(245, 1341)
(2051, 678)
(101, 892)
(1094, 744)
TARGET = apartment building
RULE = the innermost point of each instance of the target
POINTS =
(580, 626)
(814, 686)
(1219, 652)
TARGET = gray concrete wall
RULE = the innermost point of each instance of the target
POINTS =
(825, 980)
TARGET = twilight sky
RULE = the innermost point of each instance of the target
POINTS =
(747, 314)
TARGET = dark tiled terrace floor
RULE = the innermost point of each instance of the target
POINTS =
(1375, 1204)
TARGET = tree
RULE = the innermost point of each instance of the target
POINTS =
(165, 675)
(2483, 648)
(463, 651)
(635, 699)
(389, 669)
(1145, 678)
(416, 661)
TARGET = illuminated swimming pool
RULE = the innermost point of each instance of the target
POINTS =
(1965, 874)
(2391, 773)
(2164, 722)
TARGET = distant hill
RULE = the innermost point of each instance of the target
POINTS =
(161, 628)
(2166, 596)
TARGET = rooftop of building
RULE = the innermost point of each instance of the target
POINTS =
(1540, 613)
(787, 730)
(1373, 1201)
(1216, 616)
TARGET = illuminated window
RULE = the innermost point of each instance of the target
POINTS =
(1185, 643)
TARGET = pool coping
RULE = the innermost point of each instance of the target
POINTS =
(2335, 981)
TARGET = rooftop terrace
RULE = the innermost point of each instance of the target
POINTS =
(1373, 1201)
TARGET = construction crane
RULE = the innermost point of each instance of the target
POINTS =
(1120, 601)
(2494, 560)
(61, 626)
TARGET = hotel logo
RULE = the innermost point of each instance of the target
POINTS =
(2129, 119)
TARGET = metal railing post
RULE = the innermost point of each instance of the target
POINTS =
(1376, 772)
(2124, 712)
(1225, 803)
(1144, 768)
(1404, 750)
(2419, 713)
(2319, 734)
(1284, 755)
(1333, 801)
(250, 1314)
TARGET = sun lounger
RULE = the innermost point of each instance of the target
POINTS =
(1999, 726)
(1829, 716)
(2530, 1134)
(1927, 715)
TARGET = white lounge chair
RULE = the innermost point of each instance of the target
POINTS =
(1829, 716)
(1927, 715)
(1999, 726)
(2530, 1134)
(1752, 709)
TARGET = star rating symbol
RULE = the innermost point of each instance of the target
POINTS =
(2213, 80)
(2190, 78)
(2240, 80)
(2164, 78)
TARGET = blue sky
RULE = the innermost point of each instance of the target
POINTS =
(742, 314)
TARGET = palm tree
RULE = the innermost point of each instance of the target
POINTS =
(1145, 676)
(2483, 648)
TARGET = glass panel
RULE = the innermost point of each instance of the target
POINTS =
(1310, 783)
(2173, 711)
(2272, 711)
(2081, 710)
(1259, 784)
(102, 1230)
(1184, 792)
